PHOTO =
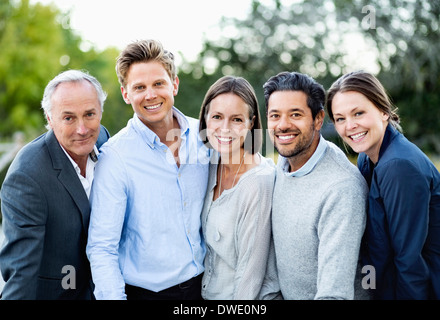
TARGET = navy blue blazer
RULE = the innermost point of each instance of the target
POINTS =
(46, 215)
(402, 237)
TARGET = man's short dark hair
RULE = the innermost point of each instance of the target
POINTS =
(294, 81)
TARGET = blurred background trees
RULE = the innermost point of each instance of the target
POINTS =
(407, 40)
(399, 41)
(36, 43)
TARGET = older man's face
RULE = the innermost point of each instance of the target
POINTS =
(75, 118)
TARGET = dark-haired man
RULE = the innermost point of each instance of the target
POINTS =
(319, 202)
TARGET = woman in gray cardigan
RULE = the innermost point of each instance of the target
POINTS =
(236, 214)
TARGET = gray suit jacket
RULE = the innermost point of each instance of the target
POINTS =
(45, 221)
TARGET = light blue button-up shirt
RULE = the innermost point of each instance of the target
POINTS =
(145, 227)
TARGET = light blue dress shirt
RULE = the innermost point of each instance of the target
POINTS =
(145, 227)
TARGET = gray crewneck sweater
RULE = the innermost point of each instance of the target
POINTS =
(318, 221)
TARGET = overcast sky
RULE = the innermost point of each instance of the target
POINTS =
(178, 24)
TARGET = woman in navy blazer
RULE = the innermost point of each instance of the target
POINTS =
(402, 238)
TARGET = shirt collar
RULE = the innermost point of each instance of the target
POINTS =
(390, 134)
(309, 165)
(92, 159)
(151, 137)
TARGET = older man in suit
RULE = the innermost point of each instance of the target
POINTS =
(45, 203)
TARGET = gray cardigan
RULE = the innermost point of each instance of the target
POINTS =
(236, 229)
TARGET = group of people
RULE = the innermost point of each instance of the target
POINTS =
(173, 207)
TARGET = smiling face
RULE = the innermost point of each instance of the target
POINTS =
(292, 129)
(151, 92)
(75, 118)
(227, 123)
(359, 122)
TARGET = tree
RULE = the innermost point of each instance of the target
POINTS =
(325, 39)
(36, 44)
(406, 34)
(31, 43)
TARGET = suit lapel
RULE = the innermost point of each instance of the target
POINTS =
(68, 177)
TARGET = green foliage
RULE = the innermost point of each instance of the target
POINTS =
(407, 37)
(36, 44)
(29, 38)
(318, 38)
